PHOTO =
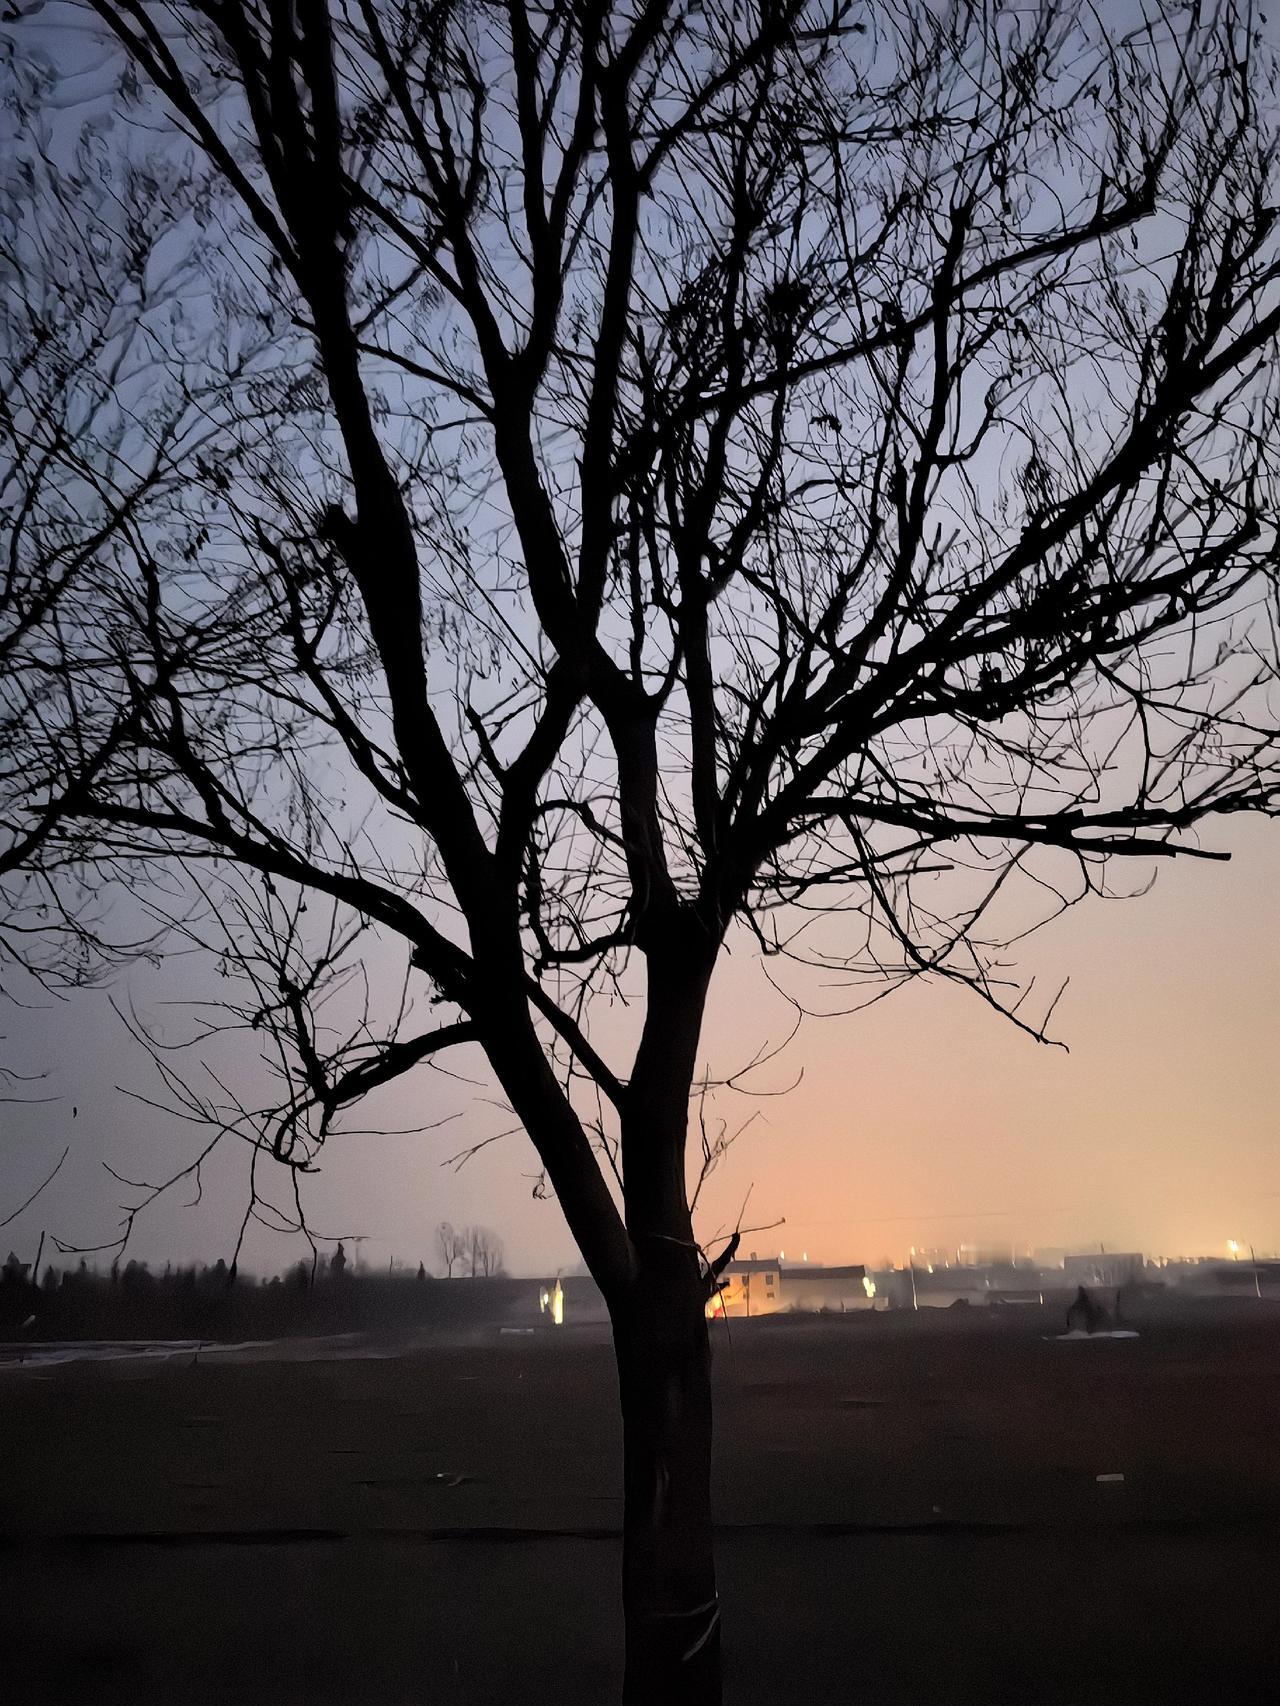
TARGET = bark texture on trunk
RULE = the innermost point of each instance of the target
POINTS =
(670, 1606)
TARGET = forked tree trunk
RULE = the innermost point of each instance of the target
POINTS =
(670, 1608)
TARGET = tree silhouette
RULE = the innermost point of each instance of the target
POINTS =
(561, 489)
(484, 1252)
(452, 1246)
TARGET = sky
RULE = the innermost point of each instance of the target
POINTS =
(926, 1120)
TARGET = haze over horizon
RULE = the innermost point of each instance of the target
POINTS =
(924, 1120)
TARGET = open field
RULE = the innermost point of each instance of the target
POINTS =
(911, 1513)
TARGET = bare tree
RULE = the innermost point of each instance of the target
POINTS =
(484, 1251)
(452, 1246)
(558, 489)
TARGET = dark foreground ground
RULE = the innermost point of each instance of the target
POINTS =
(911, 1512)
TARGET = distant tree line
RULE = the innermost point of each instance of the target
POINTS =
(473, 1251)
(131, 1300)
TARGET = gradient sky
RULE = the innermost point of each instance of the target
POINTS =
(927, 1120)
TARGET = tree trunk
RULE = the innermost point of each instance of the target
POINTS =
(670, 1607)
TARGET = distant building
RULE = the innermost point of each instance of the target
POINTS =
(993, 1256)
(934, 1256)
(932, 1288)
(1176, 1269)
(935, 1287)
(1103, 1269)
(771, 1286)
(748, 1288)
(814, 1289)
(1259, 1278)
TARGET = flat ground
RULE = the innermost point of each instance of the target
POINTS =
(910, 1507)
